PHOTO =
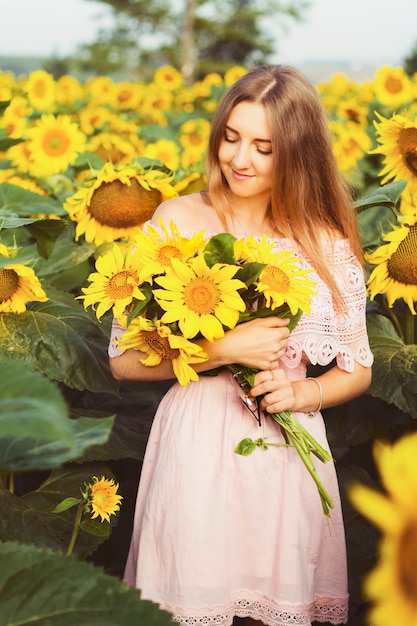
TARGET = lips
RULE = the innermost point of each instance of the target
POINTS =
(239, 176)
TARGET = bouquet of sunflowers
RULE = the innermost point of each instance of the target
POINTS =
(167, 291)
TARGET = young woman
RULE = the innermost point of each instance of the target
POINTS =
(218, 536)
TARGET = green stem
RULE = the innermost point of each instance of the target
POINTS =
(409, 326)
(76, 527)
(304, 443)
(11, 482)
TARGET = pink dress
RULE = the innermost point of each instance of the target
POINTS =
(218, 535)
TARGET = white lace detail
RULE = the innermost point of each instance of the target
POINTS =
(333, 611)
(325, 333)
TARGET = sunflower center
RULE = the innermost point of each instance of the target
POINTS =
(9, 283)
(408, 147)
(121, 284)
(55, 143)
(39, 88)
(407, 561)
(393, 85)
(166, 253)
(276, 279)
(100, 499)
(402, 265)
(202, 296)
(160, 345)
(123, 206)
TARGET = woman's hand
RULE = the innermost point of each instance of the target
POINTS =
(335, 387)
(279, 391)
(257, 344)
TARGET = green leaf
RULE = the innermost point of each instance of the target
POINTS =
(66, 504)
(46, 233)
(394, 372)
(39, 587)
(37, 506)
(220, 249)
(386, 195)
(3, 106)
(61, 340)
(96, 527)
(35, 429)
(66, 255)
(27, 203)
(250, 272)
(245, 447)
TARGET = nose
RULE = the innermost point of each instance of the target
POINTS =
(241, 158)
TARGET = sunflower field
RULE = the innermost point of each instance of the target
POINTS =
(84, 165)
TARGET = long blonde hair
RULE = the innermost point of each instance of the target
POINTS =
(308, 193)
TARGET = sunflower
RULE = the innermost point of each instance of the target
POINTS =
(392, 586)
(115, 283)
(103, 498)
(93, 118)
(24, 182)
(190, 183)
(201, 299)
(54, 143)
(159, 343)
(351, 142)
(393, 86)
(168, 78)
(164, 150)
(127, 95)
(40, 89)
(153, 105)
(193, 137)
(157, 246)
(20, 157)
(68, 90)
(109, 146)
(233, 74)
(115, 203)
(282, 281)
(18, 286)
(398, 139)
(395, 273)
(100, 90)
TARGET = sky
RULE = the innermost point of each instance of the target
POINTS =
(378, 32)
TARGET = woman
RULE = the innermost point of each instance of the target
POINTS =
(219, 536)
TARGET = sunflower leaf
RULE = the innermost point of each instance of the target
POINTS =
(35, 429)
(395, 365)
(386, 195)
(61, 340)
(39, 586)
(249, 272)
(27, 203)
(220, 249)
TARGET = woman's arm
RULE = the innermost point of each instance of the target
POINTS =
(259, 343)
(337, 387)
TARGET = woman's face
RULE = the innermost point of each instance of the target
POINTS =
(245, 152)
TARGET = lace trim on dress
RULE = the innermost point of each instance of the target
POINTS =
(331, 610)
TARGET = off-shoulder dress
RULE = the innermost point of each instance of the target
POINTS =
(217, 534)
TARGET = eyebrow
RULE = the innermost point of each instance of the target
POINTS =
(233, 130)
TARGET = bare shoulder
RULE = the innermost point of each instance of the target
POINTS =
(330, 234)
(188, 212)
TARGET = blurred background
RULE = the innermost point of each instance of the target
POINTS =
(125, 39)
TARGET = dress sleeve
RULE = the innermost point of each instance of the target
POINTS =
(328, 332)
(117, 331)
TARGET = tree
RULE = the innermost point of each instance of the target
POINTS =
(410, 62)
(196, 36)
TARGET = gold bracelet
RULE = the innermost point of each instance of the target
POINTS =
(316, 380)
